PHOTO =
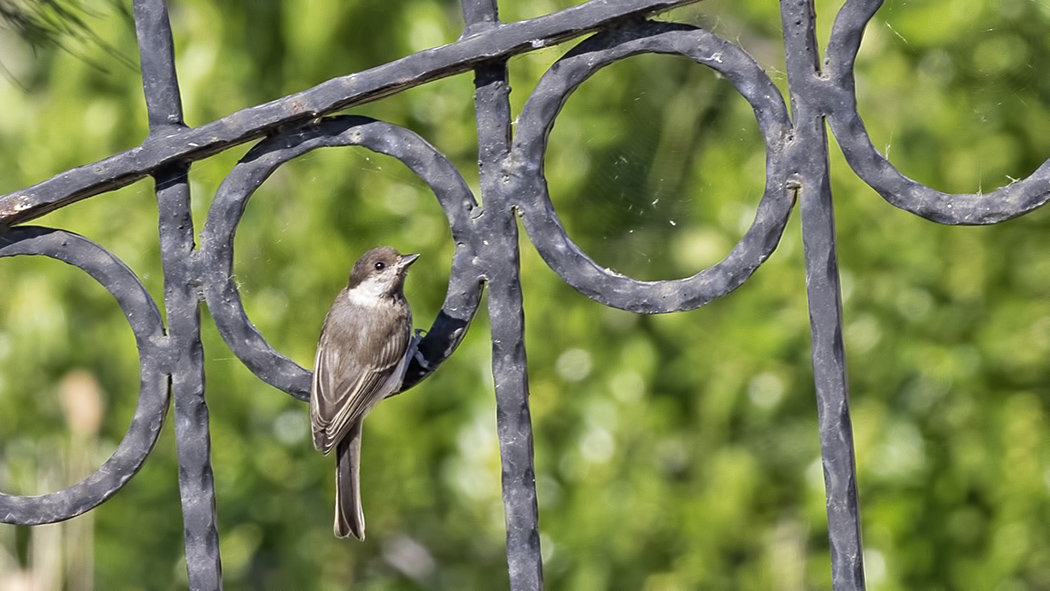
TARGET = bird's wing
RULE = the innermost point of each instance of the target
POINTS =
(347, 384)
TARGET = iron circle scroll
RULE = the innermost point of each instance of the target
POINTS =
(147, 326)
(525, 168)
(221, 292)
(1010, 201)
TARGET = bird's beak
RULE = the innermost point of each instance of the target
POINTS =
(406, 260)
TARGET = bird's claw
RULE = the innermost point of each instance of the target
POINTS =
(416, 354)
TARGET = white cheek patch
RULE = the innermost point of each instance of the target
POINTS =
(369, 293)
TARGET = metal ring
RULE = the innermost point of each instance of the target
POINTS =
(146, 323)
(874, 169)
(222, 295)
(542, 223)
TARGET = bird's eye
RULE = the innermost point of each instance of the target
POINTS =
(380, 266)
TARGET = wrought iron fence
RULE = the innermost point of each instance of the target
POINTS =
(486, 242)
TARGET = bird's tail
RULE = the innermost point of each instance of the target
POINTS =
(349, 515)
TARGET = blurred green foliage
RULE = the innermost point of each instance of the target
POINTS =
(672, 452)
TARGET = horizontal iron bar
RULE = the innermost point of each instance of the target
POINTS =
(497, 43)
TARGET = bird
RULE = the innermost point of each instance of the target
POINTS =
(361, 358)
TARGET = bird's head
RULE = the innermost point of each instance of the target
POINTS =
(380, 271)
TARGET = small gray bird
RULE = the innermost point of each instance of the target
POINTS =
(361, 358)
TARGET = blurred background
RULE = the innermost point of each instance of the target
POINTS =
(672, 452)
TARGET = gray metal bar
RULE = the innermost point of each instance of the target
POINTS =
(495, 44)
(181, 301)
(812, 184)
(503, 271)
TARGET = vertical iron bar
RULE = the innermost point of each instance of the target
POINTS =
(479, 15)
(812, 183)
(181, 301)
(506, 310)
